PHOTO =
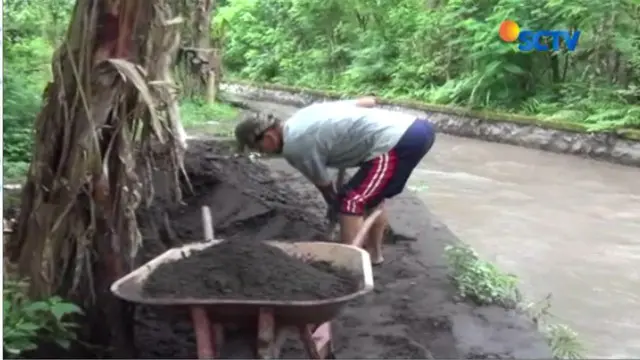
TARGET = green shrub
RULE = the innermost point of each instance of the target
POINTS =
(564, 342)
(20, 107)
(480, 281)
(27, 322)
(14, 171)
(26, 72)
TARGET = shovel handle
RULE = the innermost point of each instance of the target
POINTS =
(339, 184)
(340, 178)
(368, 222)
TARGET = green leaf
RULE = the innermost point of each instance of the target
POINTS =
(28, 327)
(6, 306)
(64, 308)
(514, 69)
(65, 344)
(36, 306)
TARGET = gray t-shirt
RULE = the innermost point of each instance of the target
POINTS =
(339, 134)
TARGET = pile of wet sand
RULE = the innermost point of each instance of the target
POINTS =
(245, 201)
(248, 270)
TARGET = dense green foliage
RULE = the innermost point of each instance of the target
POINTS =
(26, 323)
(437, 51)
(30, 34)
(446, 52)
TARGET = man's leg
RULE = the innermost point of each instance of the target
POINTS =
(375, 237)
(407, 154)
(364, 189)
(349, 227)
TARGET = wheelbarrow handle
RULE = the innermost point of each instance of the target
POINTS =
(361, 236)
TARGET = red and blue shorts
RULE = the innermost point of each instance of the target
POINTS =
(386, 176)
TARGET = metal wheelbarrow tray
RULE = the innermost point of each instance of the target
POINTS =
(280, 314)
(287, 312)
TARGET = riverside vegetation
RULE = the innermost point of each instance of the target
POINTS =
(443, 52)
(436, 51)
(446, 52)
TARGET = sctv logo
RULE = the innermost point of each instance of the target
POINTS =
(531, 40)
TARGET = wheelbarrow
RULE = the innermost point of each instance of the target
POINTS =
(274, 320)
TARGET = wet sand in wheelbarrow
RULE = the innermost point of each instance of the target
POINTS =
(249, 270)
(303, 282)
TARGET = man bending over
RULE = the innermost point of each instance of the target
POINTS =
(385, 145)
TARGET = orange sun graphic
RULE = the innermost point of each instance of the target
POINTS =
(509, 31)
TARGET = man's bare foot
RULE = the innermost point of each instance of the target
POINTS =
(376, 257)
(377, 261)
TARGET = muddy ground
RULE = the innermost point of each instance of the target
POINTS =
(411, 314)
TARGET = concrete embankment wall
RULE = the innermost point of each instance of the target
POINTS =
(620, 146)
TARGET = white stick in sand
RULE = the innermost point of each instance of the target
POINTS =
(207, 224)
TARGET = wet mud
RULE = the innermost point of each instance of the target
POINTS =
(248, 270)
(410, 314)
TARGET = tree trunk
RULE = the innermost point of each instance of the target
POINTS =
(198, 61)
(77, 230)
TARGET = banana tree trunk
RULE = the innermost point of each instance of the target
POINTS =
(109, 101)
(198, 61)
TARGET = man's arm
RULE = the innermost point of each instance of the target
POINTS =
(328, 191)
(315, 167)
(312, 164)
(319, 176)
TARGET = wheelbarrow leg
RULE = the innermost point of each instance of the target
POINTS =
(270, 336)
(202, 328)
(317, 341)
(266, 334)
(217, 338)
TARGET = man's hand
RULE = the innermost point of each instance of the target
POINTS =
(328, 192)
(332, 214)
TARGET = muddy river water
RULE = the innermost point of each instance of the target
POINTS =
(565, 225)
